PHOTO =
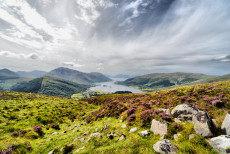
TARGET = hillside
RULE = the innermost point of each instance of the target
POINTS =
(117, 123)
(6, 74)
(32, 74)
(158, 81)
(50, 86)
(78, 77)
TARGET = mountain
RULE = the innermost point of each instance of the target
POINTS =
(157, 81)
(7, 74)
(50, 86)
(32, 74)
(77, 76)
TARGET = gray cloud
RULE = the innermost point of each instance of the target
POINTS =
(132, 36)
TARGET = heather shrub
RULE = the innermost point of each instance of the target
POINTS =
(131, 118)
(131, 110)
(15, 134)
(55, 126)
(146, 117)
(38, 130)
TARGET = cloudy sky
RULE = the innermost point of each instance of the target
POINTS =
(116, 36)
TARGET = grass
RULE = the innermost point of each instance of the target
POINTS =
(20, 112)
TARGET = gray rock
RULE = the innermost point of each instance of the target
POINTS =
(165, 147)
(203, 124)
(132, 130)
(123, 137)
(51, 152)
(55, 133)
(144, 133)
(176, 136)
(96, 130)
(177, 120)
(167, 111)
(225, 127)
(123, 126)
(191, 136)
(220, 143)
(49, 139)
(86, 133)
(159, 127)
(80, 149)
(82, 139)
(184, 112)
(95, 135)
(104, 128)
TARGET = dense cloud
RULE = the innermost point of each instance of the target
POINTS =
(116, 36)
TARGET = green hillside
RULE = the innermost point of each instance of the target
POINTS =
(50, 86)
(77, 76)
(6, 74)
(158, 81)
(31, 123)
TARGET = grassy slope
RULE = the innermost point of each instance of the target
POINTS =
(159, 81)
(22, 111)
(50, 86)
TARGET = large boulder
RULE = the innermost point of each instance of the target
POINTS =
(165, 147)
(203, 124)
(159, 127)
(184, 112)
(226, 124)
(220, 143)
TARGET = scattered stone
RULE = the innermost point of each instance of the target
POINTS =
(132, 130)
(120, 120)
(159, 127)
(144, 133)
(55, 133)
(80, 149)
(105, 127)
(220, 143)
(203, 124)
(165, 147)
(110, 136)
(123, 137)
(51, 152)
(177, 120)
(167, 111)
(176, 136)
(95, 135)
(191, 136)
(77, 138)
(49, 139)
(96, 130)
(109, 120)
(82, 139)
(225, 127)
(86, 133)
(123, 126)
(79, 125)
(184, 112)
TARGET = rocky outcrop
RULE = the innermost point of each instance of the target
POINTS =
(203, 124)
(225, 127)
(184, 112)
(159, 127)
(221, 143)
(132, 130)
(165, 147)
(145, 133)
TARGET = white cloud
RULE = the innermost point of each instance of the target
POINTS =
(72, 64)
(10, 54)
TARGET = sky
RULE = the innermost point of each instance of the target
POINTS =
(116, 36)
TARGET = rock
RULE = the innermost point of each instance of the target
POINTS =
(159, 127)
(79, 125)
(175, 136)
(110, 136)
(167, 111)
(203, 124)
(123, 126)
(191, 136)
(80, 149)
(77, 138)
(177, 120)
(55, 133)
(184, 112)
(104, 127)
(95, 135)
(82, 139)
(132, 130)
(220, 143)
(225, 127)
(96, 130)
(51, 152)
(86, 133)
(165, 147)
(144, 133)
(123, 137)
(49, 139)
